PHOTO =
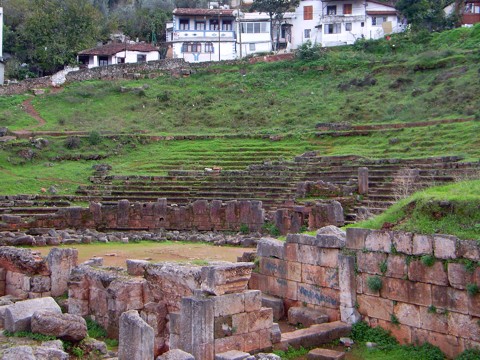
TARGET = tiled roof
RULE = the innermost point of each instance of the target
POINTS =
(114, 48)
(203, 12)
(382, 12)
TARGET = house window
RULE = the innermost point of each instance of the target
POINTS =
(255, 28)
(348, 26)
(362, 24)
(199, 25)
(378, 20)
(141, 58)
(227, 25)
(332, 10)
(209, 47)
(283, 34)
(308, 12)
(251, 47)
(347, 9)
(84, 59)
(214, 24)
(192, 47)
(333, 28)
(102, 60)
(120, 60)
(306, 33)
(184, 24)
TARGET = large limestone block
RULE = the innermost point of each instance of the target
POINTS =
(306, 316)
(61, 262)
(226, 278)
(18, 316)
(268, 247)
(136, 340)
(64, 326)
(176, 354)
(234, 355)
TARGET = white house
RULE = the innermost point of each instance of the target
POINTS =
(469, 11)
(198, 35)
(118, 53)
(341, 22)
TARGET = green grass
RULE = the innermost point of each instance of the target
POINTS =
(12, 114)
(30, 335)
(450, 209)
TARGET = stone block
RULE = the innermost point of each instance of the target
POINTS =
(403, 242)
(363, 180)
(175, 354)
(276, 304)
(445, 297)
(253, 300)
(468, 249)
(305, 316)
(325, 354)
(136, 338)
(422, 245)
(174, 323)
(265, 339)
(291, 252)
(240, 323)
(375, 307)
(331, 237)
(445, 246)
(450, 345)
(464, 326)
(396, 266)
(235, 342)
(252, 341)
(136, 267)
(355, 239)
(458, 277)
(268, 247)
(229, 304)
(407, 291)
(61, 262)
(222, 327)
(369, 262)
(40, 283)
(234, 355)
(407, 314)
(226, 278)
(314, 295)
(282, 288)
(402, 333)
(302, 239)
(315, 335)
(474, 305)
(348, 288)
(18, 316)
(432, 320)
(379, 240)
(435, 274)
(276, 334)
(3, 274)
(260, 320)
(67, 327)
(281, 269)
(349, 315)
(321, 276)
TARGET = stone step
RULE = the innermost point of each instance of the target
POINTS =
(315, 335)
(325, 354)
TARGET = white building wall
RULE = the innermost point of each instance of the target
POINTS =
(299, 25)
(227, 52)
(131, 56)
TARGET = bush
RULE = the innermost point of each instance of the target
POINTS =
(309, 51)
(72, 142)
(472, 289)
(374, 283)
(428, 260)
(470, 354)
(94, 138)
(271, 229)
(94, 329)
(244, 229)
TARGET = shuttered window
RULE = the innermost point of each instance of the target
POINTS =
(308, 12)
(347, 9)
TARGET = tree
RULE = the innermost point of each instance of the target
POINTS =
(423, 14)
(275, 9)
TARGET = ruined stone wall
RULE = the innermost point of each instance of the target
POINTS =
(302, 271)
(200, 215)
(25, 275)
(424, 281)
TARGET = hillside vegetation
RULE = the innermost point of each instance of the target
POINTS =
(423, 77)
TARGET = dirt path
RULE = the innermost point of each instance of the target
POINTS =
(30, 110)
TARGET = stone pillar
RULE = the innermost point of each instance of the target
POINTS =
(61, 262)
(348, 289)
(197, 324)
(363, 180)
(136, 338)
(123, 213)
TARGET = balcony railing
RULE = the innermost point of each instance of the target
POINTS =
(341, 18)
(203, 35)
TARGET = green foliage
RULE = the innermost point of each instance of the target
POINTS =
(78, 352)
(111, 343)
(383, 267)
(470, 354)
(291, 353)
(432, 309)
(428, 260)
(308, 51)
(374, 283)
(94, 138)
(472, 289)
(470, 266)
(244, 229)
(94, 329)
(394, 319)
(361, 332)
(29, 334)
(423, 13)
(271, 229)
(72, 142)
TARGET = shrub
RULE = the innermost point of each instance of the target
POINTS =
(383, 267)
(94, 329)
(244, 229)
(94, 138)
(309, 51)
(472, 289)
(470, 354)
(428, 260)
(271, 229)
(72, 142)
(374, 283)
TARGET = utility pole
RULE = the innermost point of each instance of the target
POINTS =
(2, 65)
(218, 19)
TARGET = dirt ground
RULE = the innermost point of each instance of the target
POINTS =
(115, 254)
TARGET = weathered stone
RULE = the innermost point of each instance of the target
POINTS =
(363, 180)
(46, 353)
(22, 261)
(19, 353)
(445, 247)
(234, 355)
(253, 300)
(263, 356)
(331, 237)
(136, 340)
(315, 335)
(379, 240)
(61, 262)
(40, 284)
(325, 354)
(226, 278)
(90, 345)
(276, 304)
(422, 245)
(261, 319)
(276, 334)
(305, 316)
(18, 316)
(356, 238)
(348, 288)
(268, 247)
(403, 242)
(176, 354)
(136, 267)
(64, 326)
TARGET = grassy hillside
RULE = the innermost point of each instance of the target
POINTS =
(420, 78)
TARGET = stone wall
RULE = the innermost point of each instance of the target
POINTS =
(424, 281)
(26, 275)
(200, 215)
(25, 86)
(427, 284)
(303, 271)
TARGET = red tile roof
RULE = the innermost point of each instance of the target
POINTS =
(114, 48)
(382, 12)
(203, 12)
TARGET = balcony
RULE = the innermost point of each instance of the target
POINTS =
(340, 18)
(470, 18)
(203, 35)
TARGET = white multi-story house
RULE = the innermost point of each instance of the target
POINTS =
(340, 22)
(198, 35)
